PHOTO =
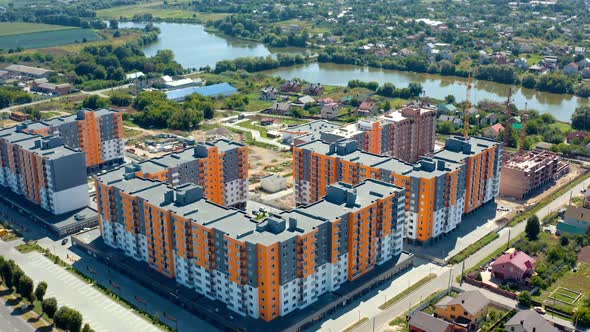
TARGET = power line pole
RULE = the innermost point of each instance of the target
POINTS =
(508, 243)
(462, 272)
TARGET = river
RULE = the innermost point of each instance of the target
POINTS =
(194, 47)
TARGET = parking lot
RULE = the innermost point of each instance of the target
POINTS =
(74, 292)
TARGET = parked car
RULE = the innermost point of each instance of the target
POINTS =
(64, 241)
(540, 310)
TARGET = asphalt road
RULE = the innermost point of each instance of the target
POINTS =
(12, 323)
(383, 317)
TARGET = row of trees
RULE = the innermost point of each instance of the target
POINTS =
(12, 95)
(254, 64)
(65, 318)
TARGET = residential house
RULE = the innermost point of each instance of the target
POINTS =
(515, 266)
(368, 107)
(585, 73)
(529, 321)
(446, 108)
(325, 101)
(584, 63)
(490, 119)
(466, 310)
(305, 100)
(578, 50)
(571, 68)
(423, 322)
(314, 89)
(330, 111)
(550, 62)
(484, 58)
(291, 86)
(501, 58)
(522, 63)
(280, 108)
(457, 122)
(576, 220)
(577, 136)
(54, 89)
(493, 131)
(269, 93)
(525, 48)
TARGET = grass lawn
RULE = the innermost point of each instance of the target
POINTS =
(573, 280)
(129, 133)
(19, 28)
(533, 59)
(251, 125)
(304, 25)
(407, 291)
(563, 126)
(157, 9)
(358, 323)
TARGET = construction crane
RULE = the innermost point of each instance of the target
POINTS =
(525, 117)
(508, 114)
(467, 107)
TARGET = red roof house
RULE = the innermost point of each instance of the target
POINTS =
(515, 266)
(368, 107)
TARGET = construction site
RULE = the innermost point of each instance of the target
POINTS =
(524, 174)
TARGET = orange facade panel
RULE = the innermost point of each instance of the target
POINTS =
(269, 296)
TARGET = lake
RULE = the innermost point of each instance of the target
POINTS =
(561, 106)
(194, 47)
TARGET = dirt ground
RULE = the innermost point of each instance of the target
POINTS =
(266, 161)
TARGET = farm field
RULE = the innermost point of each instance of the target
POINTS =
(47, 38)
(17, 28)
(156, 9)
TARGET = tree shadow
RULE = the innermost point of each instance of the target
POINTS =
(5, 292)
(13, 302)
(45, 328)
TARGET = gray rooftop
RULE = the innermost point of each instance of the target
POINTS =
(50, 147)
(428, 323)
(531, 321)
(312, 130)
(457, 148)
(345, 150)
(187, 201)
(472, 301)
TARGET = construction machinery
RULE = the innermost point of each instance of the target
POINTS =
(509, 120)
(524, 119)
(467, 107)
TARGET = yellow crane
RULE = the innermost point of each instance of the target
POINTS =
(467, 107)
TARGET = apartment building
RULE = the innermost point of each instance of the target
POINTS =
(98, 133)
(439, 189)
(525, 174)
(43, 170)
(262, 269)
(406, 134)
(220, 167)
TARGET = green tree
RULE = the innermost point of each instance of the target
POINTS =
(87, 328)
(533, 228)
(120, 99)
(95, 102)
(529, 81)
(7, 273)
(450, 99)
(40, 291)
(25, 287)
(49, 306)
(582, 316)
(525, 298)
(581, 118)
(68, 319)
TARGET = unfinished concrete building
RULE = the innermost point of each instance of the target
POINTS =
(525, 174)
